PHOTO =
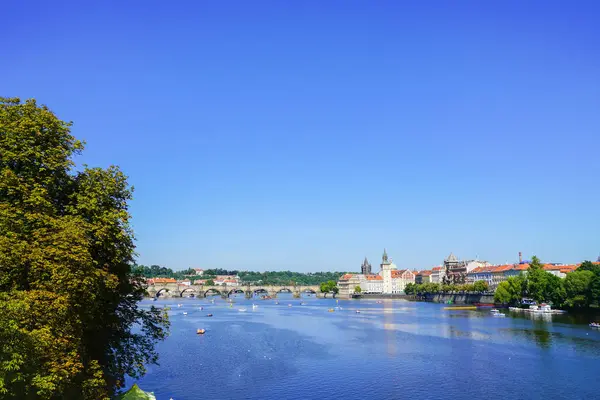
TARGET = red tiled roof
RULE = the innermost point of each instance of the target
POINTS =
(346, 277)
(374, 277)
(521, 267)
(426, 273)
(436, 268)
(397, 273)
(165, 280)
(502, 268)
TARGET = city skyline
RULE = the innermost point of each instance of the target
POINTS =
(269, 135)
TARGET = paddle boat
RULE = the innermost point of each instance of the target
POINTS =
(595, 325)
(496, 313)
(209, 315)
(200, 331)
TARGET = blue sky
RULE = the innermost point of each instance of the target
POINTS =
(271, 135)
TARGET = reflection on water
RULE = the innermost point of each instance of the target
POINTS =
(388, 319)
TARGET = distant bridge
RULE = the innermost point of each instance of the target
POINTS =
(179, 290)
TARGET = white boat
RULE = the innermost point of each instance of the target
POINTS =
(595, 325)
(185, 313)
(179, 305)
(358, 311)
(497, 313)
(242, 310)
(289, 305)
(254, 306)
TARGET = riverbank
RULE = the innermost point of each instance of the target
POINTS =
(458, 298)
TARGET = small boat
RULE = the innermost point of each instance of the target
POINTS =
(461, 308)
(358, 311)
(302, 304)
(484, 305)
(209, 315)
(289, 305)
(200, 331)
(185, 313)
(201, 308)
(242, 310)
(331, 310)
(254, 306)
(276, 302)
(379, 302)
(179, 305)
(595, 325)
(497, 313)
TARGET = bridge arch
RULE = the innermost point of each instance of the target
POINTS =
(160, 291)
(191, 289)
(234, 291)
(284, 290)
(212, 291)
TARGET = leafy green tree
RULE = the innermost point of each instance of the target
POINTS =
(594, 290)
(480, 286)
(409, 288)
(503, 295)
(537, 281)
(329, 286)
(210, 282)
(509, 291)
(577, 287)
(589, 266)
(357, 289)
(70, 325)
(555, 290)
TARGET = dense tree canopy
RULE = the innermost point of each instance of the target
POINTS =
(70, 326)
(580, 288)
(246, 277)
(329, 286)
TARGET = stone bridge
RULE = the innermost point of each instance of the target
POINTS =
(178, 290)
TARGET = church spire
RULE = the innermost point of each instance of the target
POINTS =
(384, 258)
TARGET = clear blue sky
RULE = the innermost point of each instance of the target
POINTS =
(306, 135)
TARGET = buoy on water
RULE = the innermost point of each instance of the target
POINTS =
(200, 331)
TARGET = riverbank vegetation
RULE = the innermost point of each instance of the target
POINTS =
(579, 289)
(246, 277)
(436, 288)
(70, 324)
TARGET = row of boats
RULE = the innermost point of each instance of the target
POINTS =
(541, 309)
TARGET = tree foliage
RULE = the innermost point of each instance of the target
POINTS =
(329, 286)
(68, 298)
(357, 289)
(246, 277)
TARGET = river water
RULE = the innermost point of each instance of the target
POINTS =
(390, 350)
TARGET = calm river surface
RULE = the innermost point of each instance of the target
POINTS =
(393, 350)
